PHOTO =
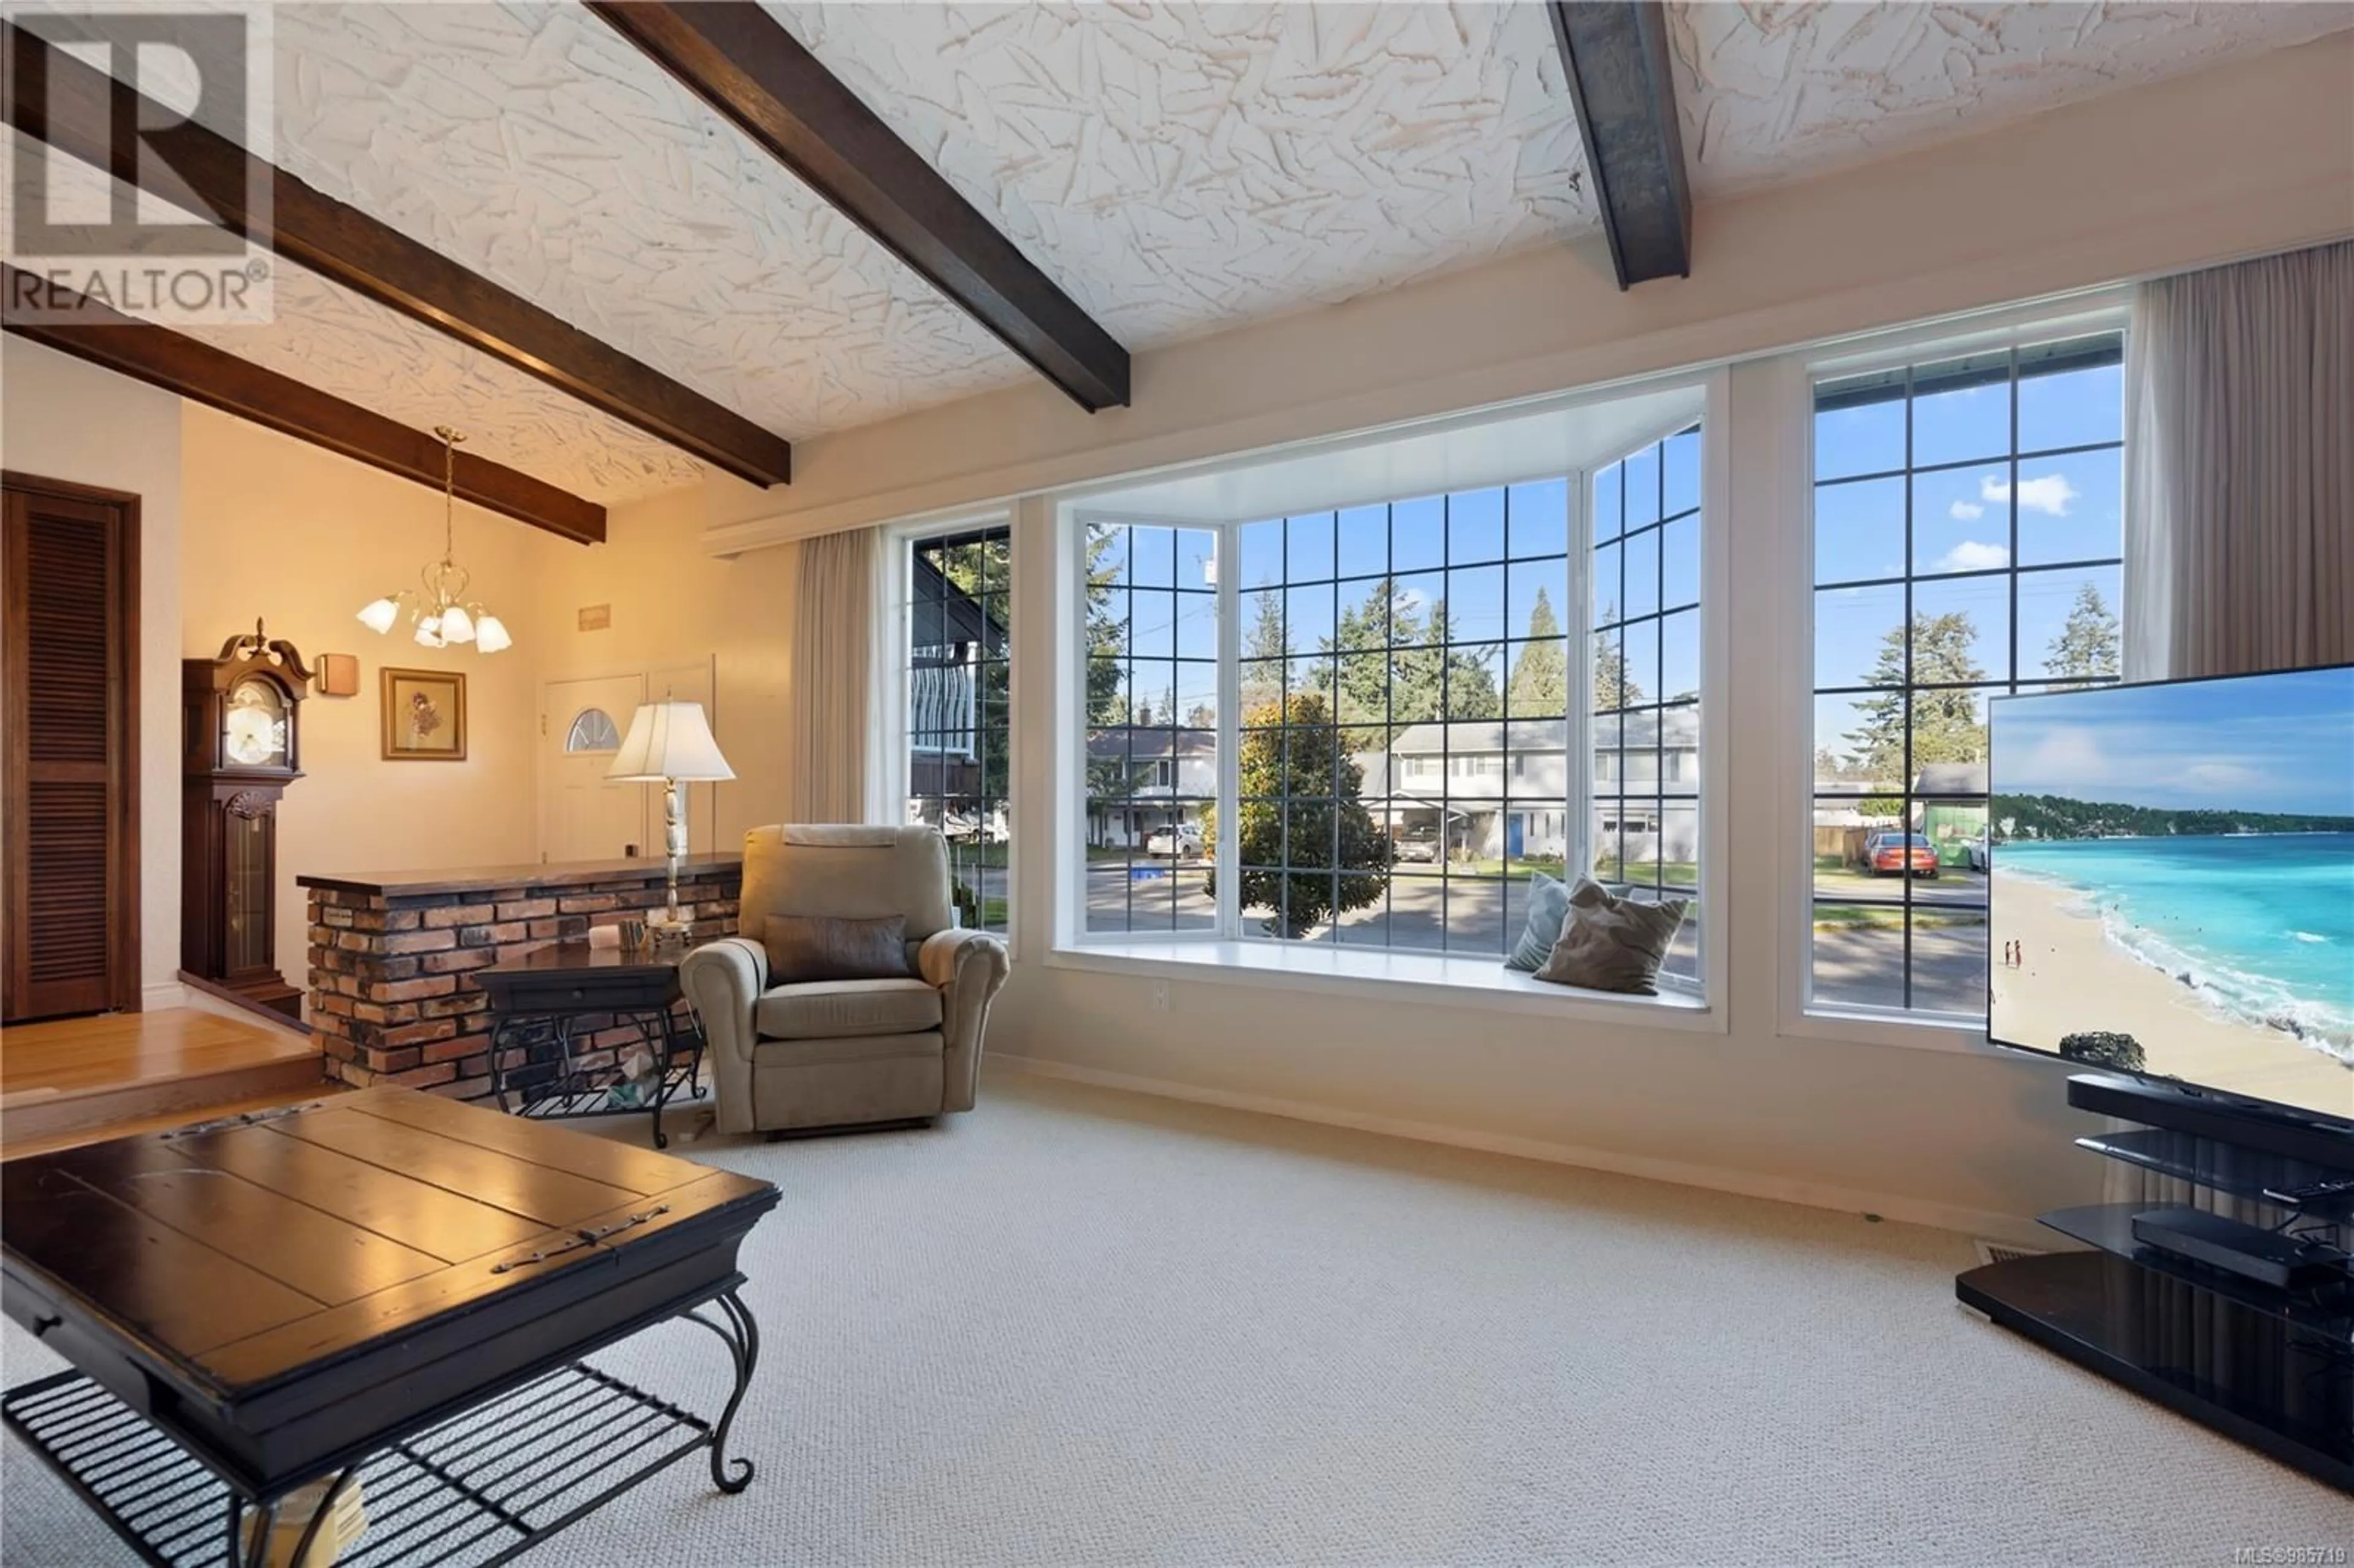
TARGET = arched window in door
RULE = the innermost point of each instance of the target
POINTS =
(593, 730)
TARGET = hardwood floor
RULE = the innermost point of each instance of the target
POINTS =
(15, 1147)
(110, 1074)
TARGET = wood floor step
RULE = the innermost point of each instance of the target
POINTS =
(16, 1146)
(37, 1113)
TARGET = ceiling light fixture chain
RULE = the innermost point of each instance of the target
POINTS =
(441, 612)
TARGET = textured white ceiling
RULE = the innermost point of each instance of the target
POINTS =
(532, 144)
(330, 338)
(1179, 168)
(1772, 91)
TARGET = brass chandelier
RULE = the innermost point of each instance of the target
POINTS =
(439, 609)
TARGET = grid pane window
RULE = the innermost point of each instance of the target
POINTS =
(1405, 689)
(1151, 696)
(959, 713)
(1644, 733)
(1967, 542)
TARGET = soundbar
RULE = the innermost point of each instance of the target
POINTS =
(2268, 1258)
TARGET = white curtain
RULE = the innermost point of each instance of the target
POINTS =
(832, 680)
(2240, 468)
(2238, 501)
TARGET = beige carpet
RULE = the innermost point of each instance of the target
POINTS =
(1085, 1328)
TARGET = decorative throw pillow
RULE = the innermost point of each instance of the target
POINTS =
(1548, 908)
(1610, 943)
(818, 947)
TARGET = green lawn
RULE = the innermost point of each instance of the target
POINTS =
(1872, 917)
(1643, 872)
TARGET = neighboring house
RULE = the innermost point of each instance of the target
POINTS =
(1952, 825)
(1140, 780)
(1497, 788)
(948, 635)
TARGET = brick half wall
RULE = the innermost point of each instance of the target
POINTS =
(393, 998)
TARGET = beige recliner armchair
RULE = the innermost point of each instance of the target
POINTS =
(833, 1053)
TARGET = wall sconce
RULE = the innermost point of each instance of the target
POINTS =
(338, 675)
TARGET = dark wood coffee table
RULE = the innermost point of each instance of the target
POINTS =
(383, 1284)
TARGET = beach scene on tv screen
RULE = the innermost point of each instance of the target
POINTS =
(2172, 883)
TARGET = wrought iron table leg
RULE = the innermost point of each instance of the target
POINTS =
(741, 1335)
(256, 1553)
(663, 1042)
(318, 1518)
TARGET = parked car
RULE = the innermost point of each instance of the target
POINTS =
(1900, 854)
(1973, 852)
(1183, 842)
(1419, 843)
(963, 827)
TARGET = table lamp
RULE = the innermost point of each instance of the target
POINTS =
(670, 744)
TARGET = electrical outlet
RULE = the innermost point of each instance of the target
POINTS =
(1157, 998)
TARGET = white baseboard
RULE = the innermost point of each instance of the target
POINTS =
(1813, 1194)
(163, 997)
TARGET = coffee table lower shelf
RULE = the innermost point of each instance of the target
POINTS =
(476, 1490)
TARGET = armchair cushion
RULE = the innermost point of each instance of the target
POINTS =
(825, 948)
(829, 1009)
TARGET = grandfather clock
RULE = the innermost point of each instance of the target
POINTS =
(244, 747)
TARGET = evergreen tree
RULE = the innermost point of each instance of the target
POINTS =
(2087, 643)
(1612, 689)
(1946, 725)
(1302, 811)
(1541, 675)
(1362, 673)
(1262, 683)
(982, 570)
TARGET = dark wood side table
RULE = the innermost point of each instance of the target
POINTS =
(537, 1001)
(384, 1286)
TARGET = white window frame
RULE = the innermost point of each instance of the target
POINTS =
(1799, 1016)
(1470, 980)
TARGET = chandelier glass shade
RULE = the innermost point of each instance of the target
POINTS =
(439, 610)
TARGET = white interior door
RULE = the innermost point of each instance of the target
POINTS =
(582, 816)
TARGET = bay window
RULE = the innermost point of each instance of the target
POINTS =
(1369, 727)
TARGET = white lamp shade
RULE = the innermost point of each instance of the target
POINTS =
(428, 632)
(379, 615)
(457, 626)
(669, 740)
(491, 635)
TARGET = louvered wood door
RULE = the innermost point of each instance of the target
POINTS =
(69, 920)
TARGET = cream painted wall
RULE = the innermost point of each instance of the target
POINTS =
(281, 529)
(2229, 162)
(61, 418)
(671, 604)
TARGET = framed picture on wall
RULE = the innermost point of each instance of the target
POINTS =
(424, 716)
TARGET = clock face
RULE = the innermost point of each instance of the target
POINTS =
(253, 725)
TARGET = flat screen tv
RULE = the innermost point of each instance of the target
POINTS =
(2171, 882)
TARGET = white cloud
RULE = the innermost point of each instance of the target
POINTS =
(2066, 754)
(2221, 776)
(2050, 494)
(1970, 555)
(1967, 511)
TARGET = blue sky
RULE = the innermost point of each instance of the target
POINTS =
(2066, 508)
(1486, 551)
(2257, 743)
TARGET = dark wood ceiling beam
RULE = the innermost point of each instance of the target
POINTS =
(198, 371)
(1615, 56)
(742, 62)
(63, 102)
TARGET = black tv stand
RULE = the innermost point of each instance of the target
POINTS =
(2270, 1366)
